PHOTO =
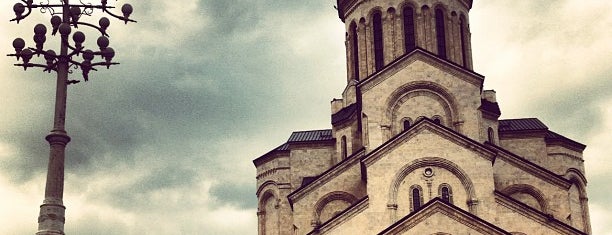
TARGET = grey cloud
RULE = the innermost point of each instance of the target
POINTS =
(136, 196)
(581, 102)
(599, 189)
(242, 195)
(179, 115)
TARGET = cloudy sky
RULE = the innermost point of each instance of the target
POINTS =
(163, 143)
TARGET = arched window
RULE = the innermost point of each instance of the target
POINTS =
(409, 35)
(354, 50)
(446, 193)
(377, 28)
(440, 33)
(406, 124)
(463, 46)
(343, 147)
(491, 135)
(416, 197)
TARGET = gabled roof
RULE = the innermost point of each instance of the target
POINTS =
(531, 167)
(552, 137)
(298, 137)
(326, 176)
(305, 136)
(523, 124)
(442, 130)
(420, 54)
(357, 207)
(344, 114)
(491, 107)
(544, 219)
(438, 205)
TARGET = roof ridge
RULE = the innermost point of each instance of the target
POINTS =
(311, 130)
(512, 119)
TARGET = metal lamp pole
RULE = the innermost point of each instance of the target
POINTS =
(64, 17)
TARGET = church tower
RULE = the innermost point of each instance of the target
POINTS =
(416, 145)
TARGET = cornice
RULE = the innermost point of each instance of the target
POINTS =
(343, 216)
(436, 206)
(307, 144)
(429, 125)
(420, 54)
(532, 168)
(546, 220)
(522, 134)
(345, 7)
(326, 176)
(270, 172)
(275, 153)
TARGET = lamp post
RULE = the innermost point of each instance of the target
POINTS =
(64, 17)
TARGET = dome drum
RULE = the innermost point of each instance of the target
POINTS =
(345, 6)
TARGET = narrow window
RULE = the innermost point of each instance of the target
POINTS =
(409, 36)
(491, 135)
(440, 33)
(355, 50)
(446, 193)
(343, 147)
(463, 46)
(406, 124)
(378, 41)
(416, 199)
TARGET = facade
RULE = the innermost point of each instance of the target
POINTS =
(416, 145)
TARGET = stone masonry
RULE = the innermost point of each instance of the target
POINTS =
(416, 145)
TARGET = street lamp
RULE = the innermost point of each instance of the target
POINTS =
(64, 17)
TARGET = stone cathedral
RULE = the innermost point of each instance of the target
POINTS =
(416, 145)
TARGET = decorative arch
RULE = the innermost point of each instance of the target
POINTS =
(573, 174)
(268, 220)
(397, 97)
(447, 111)
(269, 193)
(438, 162)
(578, 179)
(264, 186)
(333, 196)
(528, 189)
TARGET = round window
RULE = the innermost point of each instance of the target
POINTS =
(428, 172)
